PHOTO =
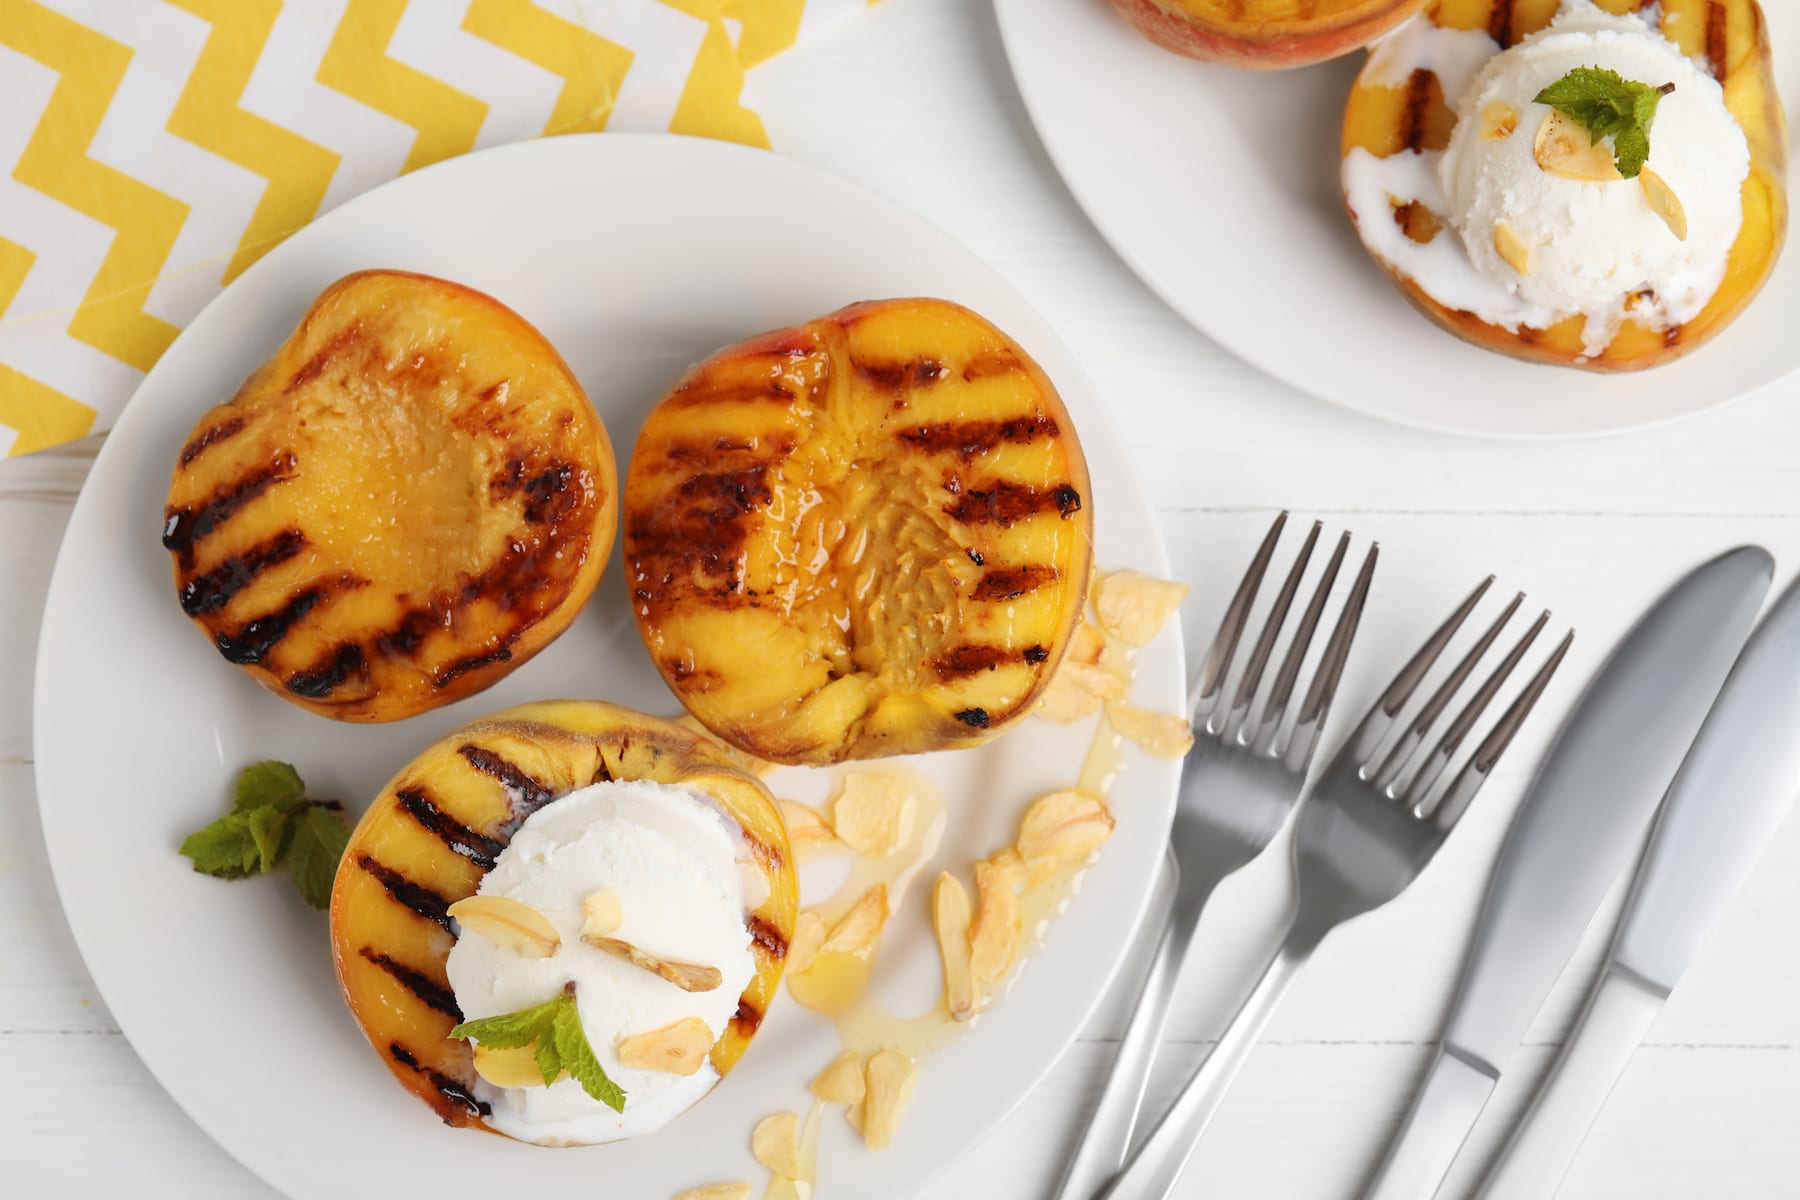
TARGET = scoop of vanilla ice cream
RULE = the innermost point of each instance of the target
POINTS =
(674, 860)
(1593, 244)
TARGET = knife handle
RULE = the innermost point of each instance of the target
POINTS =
(1619, 1013)
(1455, 1091)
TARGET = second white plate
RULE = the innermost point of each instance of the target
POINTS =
(1219, 187)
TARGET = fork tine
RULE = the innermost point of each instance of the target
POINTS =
(1368, 737)
(1283, 691)
(1426, 777)
(1456, 798)
(1440, 700)
(1265, 641)
(1317, 705)
(1210, 681)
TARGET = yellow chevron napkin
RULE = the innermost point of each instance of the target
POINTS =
(156, 148)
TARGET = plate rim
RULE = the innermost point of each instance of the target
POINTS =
(57, 838)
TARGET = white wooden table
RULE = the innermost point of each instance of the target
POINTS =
(915, 101)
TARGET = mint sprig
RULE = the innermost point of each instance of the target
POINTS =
(271, 821)
(1607, 104)
(553, 1029)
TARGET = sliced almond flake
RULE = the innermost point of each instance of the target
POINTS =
(676, 1049)
(1086, 644)
(601, 913)
(873, 814)
(689, 977)
(1513, 249)
(950, 921)
(859, 929)
(775, 1143)
(842, 1081)
(1011, 868)
(1062, 829)
(1160, 734)
(1567, 148)
(1077, 691)
(718, 1191)
(890, 1079)
(803, 947)
(1498, 120)
(1664, 202)
(806, 826)
(997, 930)
(509, 923)
(1133, 607)
(515, 1068)
(783, 1188)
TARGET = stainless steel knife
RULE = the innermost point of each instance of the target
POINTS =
(1571, 839)
(1737, 785)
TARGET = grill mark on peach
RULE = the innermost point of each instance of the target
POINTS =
(705, 392)
(1004, 503)
(764, 933)
(548, 496)
(317, 682)
(478, 848)
(1412, 115)
(990, 363)
(214, 589)
(971, 659)
(1009, 583)
(1500, 22)
(524, 794)
(1036, 654)
(229, 428)
(1417, 221)
(748, 1018)
(698, 530)
(892, 377)
(971, 438)
(474, 662)
(416, 898)
(427, 990)
(185, 527)
(262, 634)
(974, 718)
(450, 1090)
(333, 346)
(776, 445)
(1718, 43)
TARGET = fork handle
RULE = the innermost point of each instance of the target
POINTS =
(1107, 1138)
(1455, 1090)
(1152, 1173)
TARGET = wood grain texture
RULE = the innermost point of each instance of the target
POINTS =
(1591, 529)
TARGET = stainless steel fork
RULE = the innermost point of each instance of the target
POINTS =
(1237, 788)
(1376, 818)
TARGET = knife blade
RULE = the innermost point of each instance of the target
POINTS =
(1571, 838)
(1735, 788)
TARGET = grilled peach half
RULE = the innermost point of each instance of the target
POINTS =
(439, 825)
(864, 536)
(1265, 34)
(1729, 37)
(408, 500)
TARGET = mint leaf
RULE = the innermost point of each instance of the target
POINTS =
(553, 1030)
(268, 783)
(509, 1031)
(268, 830)
(313, 851)
(579, 1061)
(1607, 104)
(226, 848)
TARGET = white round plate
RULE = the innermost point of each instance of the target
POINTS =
(636, 256)
(1219, 187)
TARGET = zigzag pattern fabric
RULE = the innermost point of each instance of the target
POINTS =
(159, 147)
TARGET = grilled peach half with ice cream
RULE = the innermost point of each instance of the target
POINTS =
(1264, 34)
(863, 536)
(567, 846)
(408, 500)
(1518, 228)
